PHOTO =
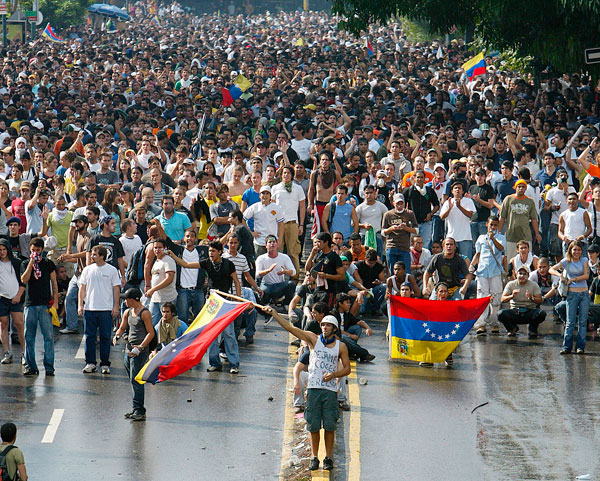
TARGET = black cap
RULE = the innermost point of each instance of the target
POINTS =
(81, 217)
(132, 293)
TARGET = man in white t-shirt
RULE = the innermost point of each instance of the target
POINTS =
(268, 220)
(290, 198)
(98, 303)
(130, 241)
(163, 288)
(556, 203)
(300, 145)
(274, 269)
(574, 224)
(370, 214)
(457, 212)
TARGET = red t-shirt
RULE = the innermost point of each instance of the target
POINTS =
(18, 210)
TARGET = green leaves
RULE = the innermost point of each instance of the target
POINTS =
(553, 32)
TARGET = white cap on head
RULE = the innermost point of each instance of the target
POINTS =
(331, 320)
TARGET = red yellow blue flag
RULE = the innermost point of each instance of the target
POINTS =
(475, 66)
(428, 331)
(370, 51)
(187, 351)
(50, 35)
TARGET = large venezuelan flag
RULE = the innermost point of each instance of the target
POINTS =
(474, 66)
(428, 331)
(187, 351)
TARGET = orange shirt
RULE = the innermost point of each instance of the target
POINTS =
(406, 179)
(594, 170)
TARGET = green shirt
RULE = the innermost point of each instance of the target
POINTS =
(60, 228)
(13, 459)
(517, 213)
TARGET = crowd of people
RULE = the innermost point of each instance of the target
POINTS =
(141, 167)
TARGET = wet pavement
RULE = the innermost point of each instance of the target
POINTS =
(416, 423)
(229, 431)
(540, 422)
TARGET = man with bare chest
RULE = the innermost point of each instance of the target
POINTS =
(323, 182)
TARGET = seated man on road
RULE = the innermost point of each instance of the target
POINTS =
(393, 285)
(371, 274)
(169, 327)
(274, 269)
(525, 297)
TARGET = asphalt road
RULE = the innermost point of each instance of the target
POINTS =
(415, 423)
(228, 430)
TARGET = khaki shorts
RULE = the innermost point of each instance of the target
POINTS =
(322, 410)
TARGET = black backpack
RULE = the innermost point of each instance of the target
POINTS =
(134, 274)
(4, 476)
(332, 208)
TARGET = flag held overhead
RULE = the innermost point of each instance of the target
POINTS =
(475, 66)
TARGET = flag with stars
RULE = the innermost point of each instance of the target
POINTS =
(428, 331)
(187, 351)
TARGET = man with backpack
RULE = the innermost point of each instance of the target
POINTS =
(12, 460)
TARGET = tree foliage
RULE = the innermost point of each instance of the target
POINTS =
(553, 32)
(61, 13)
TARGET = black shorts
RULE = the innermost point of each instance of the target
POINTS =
(6, 307)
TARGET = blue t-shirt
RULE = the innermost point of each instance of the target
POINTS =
(575, 269)
(176, 226)
(250, 196)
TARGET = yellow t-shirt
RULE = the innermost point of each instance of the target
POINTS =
(203, 225)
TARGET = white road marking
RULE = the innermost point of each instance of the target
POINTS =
(81, 351)
(53, 426)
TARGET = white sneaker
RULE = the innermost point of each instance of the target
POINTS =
(105, 370)
(89, 368)
(7, 359)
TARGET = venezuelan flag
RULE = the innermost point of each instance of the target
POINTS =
(187, 351)
(475, 66)
(370, 51)
(428, 331)
(50, 35)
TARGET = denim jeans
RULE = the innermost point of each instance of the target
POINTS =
(426, 232)
(393, 255)
(187, 298)
(355, 330)
(465, 248)
(155, 312)
(34, 316)
(375, 303)
(231, 348)
(438, 228)
(578, 306)
(94, 321)
(477, 229)
(249, 318)
(133, 365)
(72, 319)
(275, 291)
(545, 217)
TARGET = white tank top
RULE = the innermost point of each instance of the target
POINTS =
(574, 223)
(518, 263)
(396, 287)
(323, 360)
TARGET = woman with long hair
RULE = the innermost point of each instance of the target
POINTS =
(126, 201)
(574, 267)
(112, 207)
(210, 170)
(124, 170)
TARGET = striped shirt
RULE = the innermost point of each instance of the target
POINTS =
(240, 263)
